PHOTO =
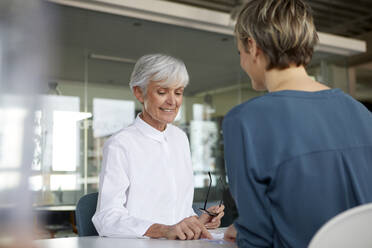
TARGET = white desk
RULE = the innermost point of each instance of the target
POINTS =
(58, 208)
(100, 242)
(103, 242)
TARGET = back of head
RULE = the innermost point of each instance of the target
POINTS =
(283, 29)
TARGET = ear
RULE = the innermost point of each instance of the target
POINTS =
(137, 91)
(253, 48)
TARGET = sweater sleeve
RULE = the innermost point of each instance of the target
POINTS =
(248, 187)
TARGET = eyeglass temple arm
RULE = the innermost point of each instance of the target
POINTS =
(209, 188)
(223, 188)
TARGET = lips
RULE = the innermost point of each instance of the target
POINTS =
(168, 110)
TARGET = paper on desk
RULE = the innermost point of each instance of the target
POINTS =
(217, 236)
(218, 233)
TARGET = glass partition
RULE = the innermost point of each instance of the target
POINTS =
(88, 98)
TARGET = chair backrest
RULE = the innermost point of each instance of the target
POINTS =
(352, 228)
(85, 210)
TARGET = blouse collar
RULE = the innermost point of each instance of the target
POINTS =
(150, 131)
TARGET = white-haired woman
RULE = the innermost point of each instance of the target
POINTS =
(146, 181)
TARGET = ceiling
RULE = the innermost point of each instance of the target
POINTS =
(211, 58)
(341, 17)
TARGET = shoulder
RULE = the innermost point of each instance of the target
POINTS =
(354, 102)
(177, 136)
(121, 138)
(253, 108)
(176, 132)
(355, 109)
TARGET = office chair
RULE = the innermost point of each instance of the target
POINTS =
(351, 228)
(85, 210)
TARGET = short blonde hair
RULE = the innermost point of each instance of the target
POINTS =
(283, 29)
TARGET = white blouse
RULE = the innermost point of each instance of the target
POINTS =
(146, 178)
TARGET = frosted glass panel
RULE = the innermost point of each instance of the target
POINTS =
(111, 115)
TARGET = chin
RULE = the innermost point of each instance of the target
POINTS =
(168, 120)
(168, 117)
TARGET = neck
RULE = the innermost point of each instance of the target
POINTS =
(292, 78)
(152, 122)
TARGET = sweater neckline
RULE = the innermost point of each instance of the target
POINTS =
(309, 94)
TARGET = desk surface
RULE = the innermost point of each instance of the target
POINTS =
(58, 208)
(103, 242)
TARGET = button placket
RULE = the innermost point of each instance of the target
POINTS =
(169, 168)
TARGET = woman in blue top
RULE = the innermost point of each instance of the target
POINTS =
(300, 154)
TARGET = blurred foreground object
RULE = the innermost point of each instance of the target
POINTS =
(351, 228)
(23, 61)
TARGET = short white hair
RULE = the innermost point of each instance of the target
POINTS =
(158, 67)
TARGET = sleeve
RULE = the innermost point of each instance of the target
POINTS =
(189, 162)
(112, 219)
(248, 187)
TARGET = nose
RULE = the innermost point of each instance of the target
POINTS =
(171, 100)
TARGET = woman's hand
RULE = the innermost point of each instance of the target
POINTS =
(188, 228)
(212, 222)
(230, 234)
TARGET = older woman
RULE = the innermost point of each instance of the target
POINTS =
(146, 181)
(300, 154)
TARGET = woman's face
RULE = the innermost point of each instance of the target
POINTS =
(251, 67)
(244, 58)
(161, 104)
